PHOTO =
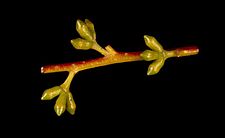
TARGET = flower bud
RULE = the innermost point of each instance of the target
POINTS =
(155, 67)
(149, 55)
(60, 105)
(152, 43)
(71, 106)
(81, 44)
(84, 31)
(51, 93)
(90, 25)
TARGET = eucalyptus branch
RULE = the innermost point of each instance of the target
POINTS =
(110, 56)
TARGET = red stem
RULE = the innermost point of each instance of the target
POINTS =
(119, 57)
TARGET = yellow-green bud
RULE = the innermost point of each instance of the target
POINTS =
(51, 93)
(155, 67)
(60, 105)
(84, 31)
(81, 44)
(71, 106)
(149, 55)
(152, 43)
(90, 25)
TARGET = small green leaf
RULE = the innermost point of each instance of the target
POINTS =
(84, 31)
(155, 67)
(90, 25)
(149, 55)
(71, 106)
(51, 93)
(60, 105)
(152, 43)
(81, 44)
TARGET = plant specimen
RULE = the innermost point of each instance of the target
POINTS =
(88, 41)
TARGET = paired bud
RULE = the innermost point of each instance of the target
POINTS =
(51, 93)
(65, 102)
(81, 44)
(152, 43)
(86, 30)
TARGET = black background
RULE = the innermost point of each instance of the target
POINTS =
(116, 99)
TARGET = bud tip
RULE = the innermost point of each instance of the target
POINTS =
(43, 96)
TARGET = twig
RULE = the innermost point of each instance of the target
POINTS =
(110, 56)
